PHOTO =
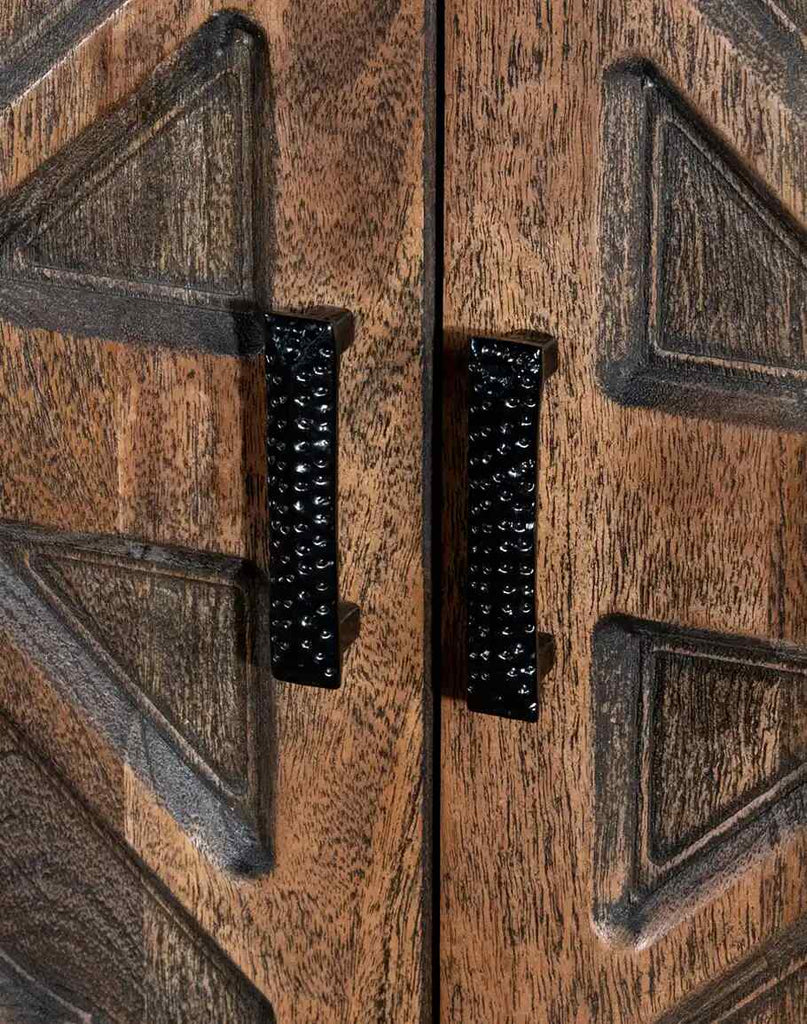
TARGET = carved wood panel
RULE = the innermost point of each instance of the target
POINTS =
(700, 767)
(164, 169)
(631, 179)
(707, 312)
(160, 649)
(86, 935)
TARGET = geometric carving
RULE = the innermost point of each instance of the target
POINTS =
(160, 648)
(179, 640)
(706, 309)
(701, 764)
(768, 986)
(24, 1001)
(722, 735)
(86, 933)
(153, 204)
(770, 36)
(34, 34)
(735, 291)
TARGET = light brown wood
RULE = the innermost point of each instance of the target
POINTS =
(689, 521)
(103, 437)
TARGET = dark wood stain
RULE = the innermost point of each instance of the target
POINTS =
(34, 34)
(700, 767)
(160, 649)
(707, 309)
(158, 204)
(76, 912)
(690, 520)
(165, 442)
(768, 987)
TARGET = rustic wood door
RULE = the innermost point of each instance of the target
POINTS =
(183, 835)
(631, 178)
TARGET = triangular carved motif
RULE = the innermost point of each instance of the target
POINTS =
(701, 766)
(159, 648)
(157, 198)
(738, 726)
(704, 298)
(731, 280)
(85, 927)
(180, 640)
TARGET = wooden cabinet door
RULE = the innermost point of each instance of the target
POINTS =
(630, 178)
(184, 837)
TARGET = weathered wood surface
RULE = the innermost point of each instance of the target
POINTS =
(85, 930)
(101, 437)
(686, 521)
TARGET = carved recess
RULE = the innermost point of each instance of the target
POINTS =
(87, 935)
(142, 227)
(159, 647)
(768, 986)
(770, 36)
(35, 33)
(701, 765)
(705, 308)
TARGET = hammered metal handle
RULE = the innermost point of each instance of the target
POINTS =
(309, 626)
(506, 654)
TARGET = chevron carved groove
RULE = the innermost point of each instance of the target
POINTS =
(705, 310)
(85, 931)
(35, 34)
(142, 228)
(159, 648)
(701, 765)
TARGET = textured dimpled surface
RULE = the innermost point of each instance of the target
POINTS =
(505, 392)
(301, 380)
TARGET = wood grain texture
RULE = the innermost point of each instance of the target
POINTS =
(77, 911)
(174, 456)
(154, 210)
(765, 988)
(699, 767)
(35, 33)
(686, 521)
(706, 312)
(770, 34)
(161, 649)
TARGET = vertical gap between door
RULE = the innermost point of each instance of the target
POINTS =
(433, 177)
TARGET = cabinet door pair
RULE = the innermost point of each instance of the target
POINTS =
(352, 667)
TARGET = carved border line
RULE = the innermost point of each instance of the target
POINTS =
(635, 901)
(231, 827)
(227, 48)
(746, 988)
(28, 57)
(251, 1003)
(763, 30)
(633, 370)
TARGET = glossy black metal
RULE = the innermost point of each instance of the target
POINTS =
(308, 626)
(505, 652)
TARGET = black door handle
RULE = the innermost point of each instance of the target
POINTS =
(506, 654)
(308, 625)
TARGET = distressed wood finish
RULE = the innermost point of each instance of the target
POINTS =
(706, 309)
(77, 911)
(700, 764)
(694, 523)
(161, 649)
(101, 437)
